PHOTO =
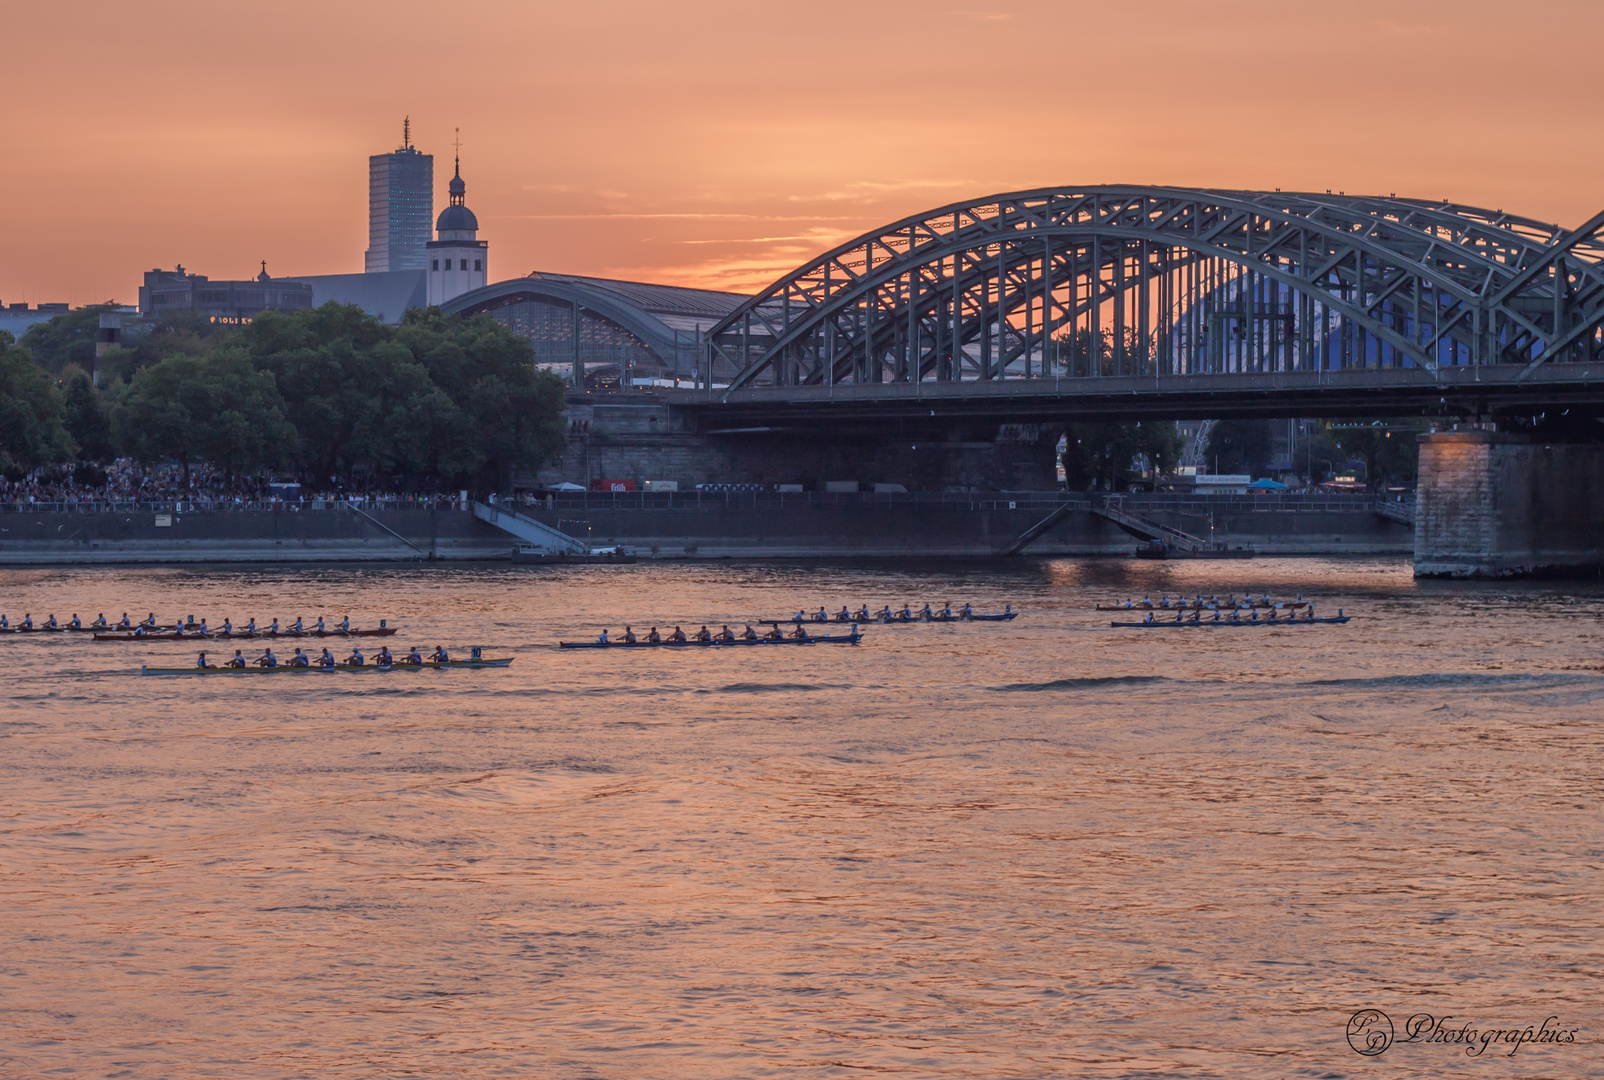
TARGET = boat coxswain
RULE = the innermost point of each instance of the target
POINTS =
(355, 659)
(629, 636)
(267, 659)
(326, 661)
(601, 638)
(439, 656)
(653, 636)
(677, 635)
(704, 634)
(1147, 620)
(726, 634)
(800, 615)
(238, 660)
(201, 661)
(300, 659)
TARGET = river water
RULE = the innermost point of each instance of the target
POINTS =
(1042, 848)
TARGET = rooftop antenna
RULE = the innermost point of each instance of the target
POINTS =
(406, 133)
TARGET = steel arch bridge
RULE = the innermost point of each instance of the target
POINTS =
(1176, 285)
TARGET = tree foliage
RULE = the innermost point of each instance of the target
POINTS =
(1105, 455)
(31, 429)
(1241, 447)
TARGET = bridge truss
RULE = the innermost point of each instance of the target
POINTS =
(1129, 282)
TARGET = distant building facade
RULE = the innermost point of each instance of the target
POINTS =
(168, 291)
(400, 208)
(459, 261)
(385, 296)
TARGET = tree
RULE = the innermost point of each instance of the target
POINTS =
(68, 338)
(85, 414)
(31, 429)
(1105, 454)
(1240, 447)
(219, 408)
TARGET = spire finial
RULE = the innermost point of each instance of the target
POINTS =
(458, 144)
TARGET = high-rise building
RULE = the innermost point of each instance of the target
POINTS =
(459, 261)
(400, 207)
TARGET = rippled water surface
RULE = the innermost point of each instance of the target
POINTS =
(1044, 848)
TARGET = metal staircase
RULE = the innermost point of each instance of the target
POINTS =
(531, 532)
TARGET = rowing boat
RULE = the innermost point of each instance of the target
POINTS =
(895, 620)
(1159, 624)
(821, 639)
(317, 670)
(383, 631)
(1221, 606)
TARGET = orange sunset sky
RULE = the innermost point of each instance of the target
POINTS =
(720, 143)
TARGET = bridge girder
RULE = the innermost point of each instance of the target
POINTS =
(1168, 281)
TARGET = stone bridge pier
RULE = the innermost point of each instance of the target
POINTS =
(1499, 505)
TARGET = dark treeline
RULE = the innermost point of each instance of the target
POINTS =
(330, 397)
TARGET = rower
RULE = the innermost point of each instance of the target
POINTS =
(384, 659)
(1147, 620)
(202, 627)
(345, 625)
(178, 628)
(1197, 615)
(238, 660)
(1254, 618)
(1309, 612)
(906, 615)
(629, 636)
(749, 634)
(100, 622)
(1128, 604)
(150, 621)
(821, 616)
(1216, 615)
(726, 634)
(250, 627)
(228, 627)
(140, 631)
(201, 662)
(1147, 601)
(677, 635)
(125, 624)
(704, 634)
(1236, 616)
(273, 629)
(946, 610)
(296, 627)
(5, 623)
(1164, 601)
(326, 661)
(50, 623)
(774, 634)
(601, 639)
(267, 659)
(415, 658)
(1179, 614)
(355, 659)
(885, 613)
(439, 656)
(966, 612)
(300, 659)
(926, 614)
(654, 637)
(800, 615)
(844, 615)
(319, 628)
(801, 633)
(863, 613)
(74, 623)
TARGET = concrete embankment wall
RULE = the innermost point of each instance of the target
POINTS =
(691, 525)
(332, 535)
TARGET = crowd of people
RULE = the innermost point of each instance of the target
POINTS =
(125, 481)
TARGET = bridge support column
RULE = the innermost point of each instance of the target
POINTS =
(1499, 505)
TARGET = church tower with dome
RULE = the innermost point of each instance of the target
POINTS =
(459, 262)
